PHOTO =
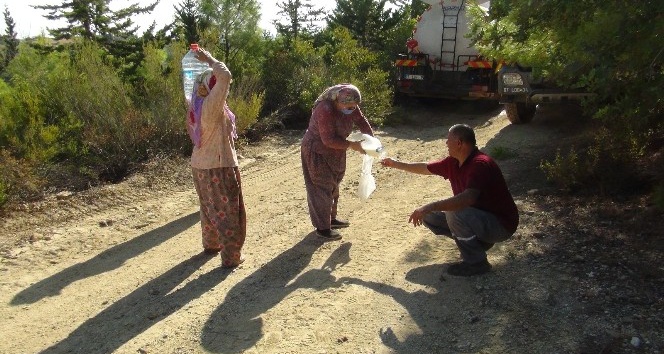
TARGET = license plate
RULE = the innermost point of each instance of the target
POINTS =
(515, 90)
(415, 77)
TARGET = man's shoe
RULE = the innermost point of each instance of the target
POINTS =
(486, 245)
(329, 234)
(463, 269)
(338, 224)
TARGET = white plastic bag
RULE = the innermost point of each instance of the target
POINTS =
(367, 182)
(370, 144)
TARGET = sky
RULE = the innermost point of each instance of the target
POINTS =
(30, 22)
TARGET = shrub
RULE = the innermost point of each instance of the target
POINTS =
(34, 124)
(245, 100)
(352, 63)
(564, 171)
(18, 179)
(161, 100)
(502, 153)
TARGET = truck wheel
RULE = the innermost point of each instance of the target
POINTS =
(520, 113)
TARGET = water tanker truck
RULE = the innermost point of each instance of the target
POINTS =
(441, 62)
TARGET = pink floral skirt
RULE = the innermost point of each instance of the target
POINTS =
(223, 217)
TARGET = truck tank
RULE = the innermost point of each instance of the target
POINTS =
(440, 62)
(440, 33)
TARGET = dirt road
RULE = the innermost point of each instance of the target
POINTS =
(119, 269)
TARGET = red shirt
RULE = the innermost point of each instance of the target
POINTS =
(480, 172)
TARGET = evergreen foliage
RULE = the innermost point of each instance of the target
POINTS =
(234, 36)
(367, 20)
(190, 21)
(301, 18)
(612, 48)
(9, 40)
(113, 99)
(94, 21)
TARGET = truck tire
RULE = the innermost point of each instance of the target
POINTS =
(520, 113)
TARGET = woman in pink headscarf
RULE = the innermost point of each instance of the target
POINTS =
(214, 164)
(323, 150)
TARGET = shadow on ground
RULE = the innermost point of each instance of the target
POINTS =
(105, 261)
(236, 325)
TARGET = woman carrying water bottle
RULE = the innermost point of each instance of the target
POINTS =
(214, 163)
(323, 151)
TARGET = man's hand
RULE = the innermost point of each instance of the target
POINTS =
(388, 162)
(417, 217)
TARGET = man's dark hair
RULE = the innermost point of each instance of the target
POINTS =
(464, 133)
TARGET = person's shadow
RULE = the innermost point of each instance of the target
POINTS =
(236, 324)
(141, 309)
(424, 308)
(105, 261)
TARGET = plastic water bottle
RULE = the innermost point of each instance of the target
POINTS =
(372, 146)
(191, 67)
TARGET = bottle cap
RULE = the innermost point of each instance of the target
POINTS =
(193, 46)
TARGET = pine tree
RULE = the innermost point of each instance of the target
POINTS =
(236, 21)
(93, 20)
(367, 20)
(301, 18)
(190, 22)
(9, 40)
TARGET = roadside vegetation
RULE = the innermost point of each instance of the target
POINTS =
(86, 105)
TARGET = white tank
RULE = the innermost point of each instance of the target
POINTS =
(438, 22)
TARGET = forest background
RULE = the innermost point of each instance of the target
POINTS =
(92, 101)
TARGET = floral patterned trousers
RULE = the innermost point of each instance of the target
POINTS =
(223, 216)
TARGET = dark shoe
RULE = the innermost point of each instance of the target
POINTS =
(338, 224)
(486, 245)
(463, 269)
(212, 251)
(329, 234)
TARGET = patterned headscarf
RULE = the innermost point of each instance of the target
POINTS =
(207, 79)
(344, 93)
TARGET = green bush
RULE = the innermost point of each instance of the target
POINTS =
(19, 179)
(352, 63)
(161, 100)
(502, 153)
(564, 171)
(294, 79)
(30, 126)
(245, 100)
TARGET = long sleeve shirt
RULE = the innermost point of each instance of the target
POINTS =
(217, 144)
(327, 132)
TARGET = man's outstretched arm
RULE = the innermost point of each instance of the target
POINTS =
(412, 167)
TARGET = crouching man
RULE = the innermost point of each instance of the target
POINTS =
(482, 210)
